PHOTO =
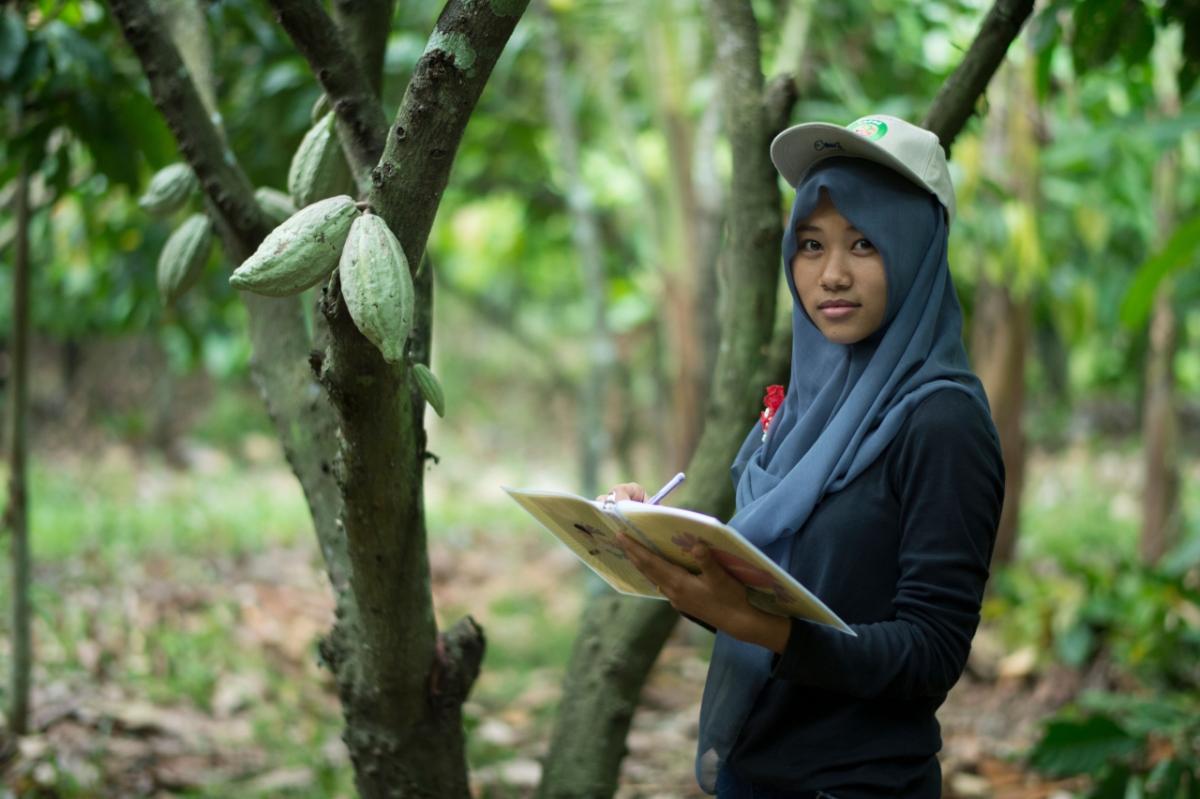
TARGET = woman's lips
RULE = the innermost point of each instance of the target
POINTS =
(838, 311)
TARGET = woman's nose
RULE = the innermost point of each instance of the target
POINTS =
(835, 275)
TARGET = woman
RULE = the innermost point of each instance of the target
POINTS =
(878, 484)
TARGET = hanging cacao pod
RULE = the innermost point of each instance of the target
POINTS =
(320, 108)
(377, 285)
(275, 203)
(300, 252)
(168, 190)
(182, 259)
(318, 169)
(431, 389)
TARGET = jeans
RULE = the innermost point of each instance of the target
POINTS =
(733, 786)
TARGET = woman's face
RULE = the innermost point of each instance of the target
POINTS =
(839, 276)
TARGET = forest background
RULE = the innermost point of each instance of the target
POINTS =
(580, 266)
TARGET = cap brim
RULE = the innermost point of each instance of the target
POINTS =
(797, 149)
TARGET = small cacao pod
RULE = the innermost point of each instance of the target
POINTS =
(183, 257)
(168, 190)
(431, 389)
(377, 285)
(320, 108)
(300, 252)
(275, 203)
(318, 169)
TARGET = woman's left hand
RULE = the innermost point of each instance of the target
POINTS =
(713, 595)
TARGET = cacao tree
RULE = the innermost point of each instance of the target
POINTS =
(349, 419)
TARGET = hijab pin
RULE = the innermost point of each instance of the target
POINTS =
(771, 402)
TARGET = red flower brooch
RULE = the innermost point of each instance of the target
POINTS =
(771, 402)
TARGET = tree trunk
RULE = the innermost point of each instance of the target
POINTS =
(622, 636)
(17, 513)
(1162, 516)
(999, 333)
(585, 234)
(401, 683)
(749, 358)
(1162, 513)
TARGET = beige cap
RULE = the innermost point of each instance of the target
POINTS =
(910, 150)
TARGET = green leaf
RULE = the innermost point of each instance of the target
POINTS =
(1081, 747)
(1045, 35)
(12, 42)
(1114, 784)
(1177, 253)
(1187, 13)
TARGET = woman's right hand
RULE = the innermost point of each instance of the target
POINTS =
(625, 491)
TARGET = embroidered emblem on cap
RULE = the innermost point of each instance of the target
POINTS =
(820, 144)
(868, 128)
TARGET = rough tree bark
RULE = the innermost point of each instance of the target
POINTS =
(401, 682)
(621, 637)
(16, 517)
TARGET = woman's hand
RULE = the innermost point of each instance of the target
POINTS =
(625, 491)
(713, 595)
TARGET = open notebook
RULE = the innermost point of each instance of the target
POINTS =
(589, 527)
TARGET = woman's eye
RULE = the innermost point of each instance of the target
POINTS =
(809, 245)
(862, 245)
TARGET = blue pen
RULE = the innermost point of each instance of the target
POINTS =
(667, 489)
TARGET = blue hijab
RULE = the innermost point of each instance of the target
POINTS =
(844, 404)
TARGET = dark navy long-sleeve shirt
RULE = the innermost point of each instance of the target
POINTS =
(902, 555)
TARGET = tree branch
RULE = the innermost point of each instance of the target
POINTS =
(361, 122)
(302, 415)
(224, 183)
(365, 25)
(424, 137)
(955, 101)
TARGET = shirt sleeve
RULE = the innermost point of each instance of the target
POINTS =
(949, 476)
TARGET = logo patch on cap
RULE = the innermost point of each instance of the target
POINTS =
(821, 144)
(869, 128)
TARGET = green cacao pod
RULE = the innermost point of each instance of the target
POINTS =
(320, 108)
(183, 257)
(275, 203)
(169, 190)
(431, 389)
(299, 253)
(318, 169)
(377, 285)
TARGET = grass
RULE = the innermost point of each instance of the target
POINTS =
(104, 529)
(119, 510)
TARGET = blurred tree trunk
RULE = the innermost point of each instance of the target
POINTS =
(16, 515)
(999, 342)
(1162, 515)
(560, 108)
(681, 263)
(621, 637)
(1001, 328)
(358, 447)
